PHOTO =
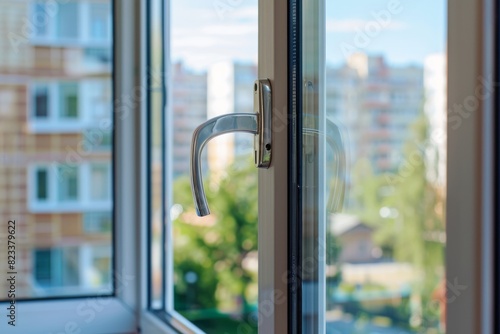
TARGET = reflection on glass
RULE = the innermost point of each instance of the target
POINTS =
(377, 264)
(213, 71)
(55, 147)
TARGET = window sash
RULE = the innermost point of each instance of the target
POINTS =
(116, 313)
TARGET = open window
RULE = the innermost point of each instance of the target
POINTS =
(359, 223)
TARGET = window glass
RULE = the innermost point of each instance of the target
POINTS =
(42, 191)
(39, 13)
(99, 21)
(100, 181)
(56, 131)
(41, 101)
(68, 95)
(68, 183)
(68, 19)
(43, 266)
(211, 276)
(376, 263)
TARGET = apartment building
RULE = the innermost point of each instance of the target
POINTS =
(377, 103)
(189, 109)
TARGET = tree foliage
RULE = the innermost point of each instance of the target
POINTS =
(414, 231)
(214, 248)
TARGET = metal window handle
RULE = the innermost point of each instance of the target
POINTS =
(258, 123)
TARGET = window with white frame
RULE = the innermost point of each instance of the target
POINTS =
(70, 106)
(68, 188)
(75, 267)
(56, 267)
(72, 22)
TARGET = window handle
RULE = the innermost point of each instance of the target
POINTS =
(258, 123)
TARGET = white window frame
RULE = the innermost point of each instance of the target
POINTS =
(53, 203)
(54, 123)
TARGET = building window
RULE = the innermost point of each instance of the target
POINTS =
(67, 270)
(74, 21)
(68, 94)
(68, 183)
(99, 21)
(41, 101)
(42, 180)
(100, 182)
(57, 267)
(71, 188)
(71, 106)
(42, 267)
(39, 12)
(67, 21)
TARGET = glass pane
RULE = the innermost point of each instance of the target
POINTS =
(68, 95)
(211, 276)
(54, 181)
(42, 184)
(100, 21)
(100, 182)
(68, 183)
(41, 101)
(67, 20)
(373, 163)
(39, 13)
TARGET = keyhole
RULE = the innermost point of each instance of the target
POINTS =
(268, 147)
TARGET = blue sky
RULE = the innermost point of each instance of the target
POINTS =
(419, 29)
(204, 32)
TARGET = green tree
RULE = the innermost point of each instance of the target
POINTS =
(414, 230)
(214, 248)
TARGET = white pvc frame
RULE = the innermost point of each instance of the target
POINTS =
(470, 218)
